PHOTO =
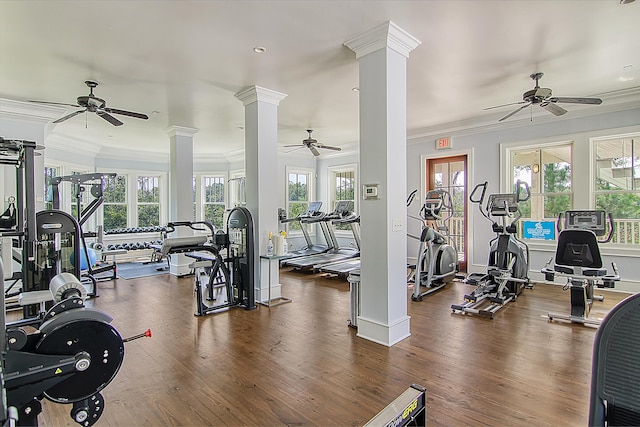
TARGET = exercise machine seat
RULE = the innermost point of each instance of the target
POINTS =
(579, 248)
(172, 244)
(615, 375)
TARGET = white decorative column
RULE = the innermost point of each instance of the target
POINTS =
(180, 188)
(382, 54)
(261, 169)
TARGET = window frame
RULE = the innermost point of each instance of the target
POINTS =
(138, 203)
(620, 248)
(506, 178)
(201, 196)
(332, 171)
(583, 177)
(311, 174)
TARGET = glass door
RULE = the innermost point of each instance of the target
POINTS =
(449, 173)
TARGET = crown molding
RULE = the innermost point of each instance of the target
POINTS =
(385, 35)
(615, 101)
(257, 93)
(29, 111)
(72, 145)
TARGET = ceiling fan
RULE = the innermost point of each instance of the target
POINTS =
(93, 104)
(313, 145)
(542, 96)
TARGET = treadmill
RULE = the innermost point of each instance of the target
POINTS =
(336, 253)
(342, 268)
(311, 216)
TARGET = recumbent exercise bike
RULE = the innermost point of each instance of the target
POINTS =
(437, 261)
(508, 267)
(578, 259)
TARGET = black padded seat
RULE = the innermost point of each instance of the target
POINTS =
(579, 248)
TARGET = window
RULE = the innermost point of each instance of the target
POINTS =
(214, 200)
(115, 202)
(343, 188)
(148, 201)
(298, 195)
(49, 172)
(617, 185)
(547, 171)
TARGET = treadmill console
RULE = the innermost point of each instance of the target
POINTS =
(589, 220)
(502, 204)
(342, 209)
(314, 209)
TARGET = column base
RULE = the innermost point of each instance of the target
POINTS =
(384, 334)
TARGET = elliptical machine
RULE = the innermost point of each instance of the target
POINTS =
(578, 259)
(437, 261)
(508, 267)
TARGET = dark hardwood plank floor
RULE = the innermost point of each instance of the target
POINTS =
(299, 363)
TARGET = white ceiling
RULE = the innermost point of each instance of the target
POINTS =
(186, 60)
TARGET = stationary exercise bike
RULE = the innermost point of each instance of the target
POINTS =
(578, 259)
(437, 261)
(508, 267)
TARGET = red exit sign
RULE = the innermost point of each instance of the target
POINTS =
(443, 143)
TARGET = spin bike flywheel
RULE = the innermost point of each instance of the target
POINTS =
(82, 330)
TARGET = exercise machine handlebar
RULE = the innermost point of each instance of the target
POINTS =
(597, 226)
(194, 225)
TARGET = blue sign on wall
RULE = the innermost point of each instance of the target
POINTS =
(545, 230)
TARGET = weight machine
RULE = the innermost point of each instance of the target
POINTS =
(508, 267)
(96, 183)
(61, 350)
(578, 259)
(230, 281)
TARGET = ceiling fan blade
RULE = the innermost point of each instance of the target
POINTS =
(56, 103)
(553, 108)
(505, 105)
(108, 117)
(515, 111)
(68, 116)
(570, 100)
(314, 151)
(127, 113)
(293, 145)
(328, 147)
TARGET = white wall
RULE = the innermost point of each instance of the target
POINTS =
(486, 162)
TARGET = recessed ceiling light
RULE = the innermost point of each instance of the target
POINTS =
(355, 89)
(259, 49)
(155, 112)
(626, 1)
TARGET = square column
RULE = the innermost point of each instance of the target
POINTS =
(382, 54)
(180, 188)
(261, 174)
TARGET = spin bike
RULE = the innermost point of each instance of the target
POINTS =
(508, 266)
(578, 259)
(437, 261)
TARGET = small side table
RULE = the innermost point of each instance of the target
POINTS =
(272, 302)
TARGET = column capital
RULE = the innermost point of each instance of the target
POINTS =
(257, 93)
(385, 35)
(180, 131)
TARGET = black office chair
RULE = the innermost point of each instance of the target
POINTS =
(615, 377)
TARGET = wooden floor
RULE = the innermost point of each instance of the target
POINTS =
(299, 363)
